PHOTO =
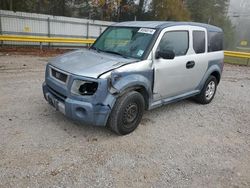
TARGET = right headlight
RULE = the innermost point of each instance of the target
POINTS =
(80, 87)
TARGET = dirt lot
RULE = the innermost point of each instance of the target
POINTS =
(179, 145)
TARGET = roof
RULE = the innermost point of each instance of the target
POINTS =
(164, 24)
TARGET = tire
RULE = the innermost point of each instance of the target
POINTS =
(208, 91)
(126, 113)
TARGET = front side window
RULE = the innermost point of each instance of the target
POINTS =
(176, 41)
(199, 41)
(126, 41)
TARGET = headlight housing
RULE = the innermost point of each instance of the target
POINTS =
(80, 87)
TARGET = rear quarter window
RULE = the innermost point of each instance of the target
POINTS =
(215, 41)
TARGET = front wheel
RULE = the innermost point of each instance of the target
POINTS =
(208, 91)
(127, 113)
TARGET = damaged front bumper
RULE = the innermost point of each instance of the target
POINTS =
(82, 111)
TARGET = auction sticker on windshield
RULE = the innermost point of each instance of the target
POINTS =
(147, 30)
(140, 52)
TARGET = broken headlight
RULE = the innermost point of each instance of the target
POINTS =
(80, 87)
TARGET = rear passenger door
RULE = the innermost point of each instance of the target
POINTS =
(198, 53)
(182, 74)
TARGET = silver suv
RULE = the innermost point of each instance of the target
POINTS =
(136, 66)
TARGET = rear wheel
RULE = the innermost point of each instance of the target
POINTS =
(126, 113)
(208, 91)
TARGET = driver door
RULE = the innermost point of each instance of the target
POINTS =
(172, 76)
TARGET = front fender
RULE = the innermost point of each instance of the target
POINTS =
(122, 81)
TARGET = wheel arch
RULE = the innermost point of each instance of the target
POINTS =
(212, 70)
(140, 89)
(137, 83)
(217, 75)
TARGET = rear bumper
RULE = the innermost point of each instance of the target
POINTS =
(84, 112)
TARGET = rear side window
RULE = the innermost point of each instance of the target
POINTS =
(199, 41)
(177, 41)
(215, 41)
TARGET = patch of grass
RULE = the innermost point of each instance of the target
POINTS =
(236, 61)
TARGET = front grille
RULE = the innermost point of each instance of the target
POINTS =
(59, 75)
(57, 94)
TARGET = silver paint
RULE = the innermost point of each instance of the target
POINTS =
(89, 63)
(164, 81)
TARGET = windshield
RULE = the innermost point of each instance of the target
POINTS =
(125, 41)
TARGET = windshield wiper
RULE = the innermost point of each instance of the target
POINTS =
(95, 48)
(108, 51)
(112, 52)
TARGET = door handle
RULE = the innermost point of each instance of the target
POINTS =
(190, 64)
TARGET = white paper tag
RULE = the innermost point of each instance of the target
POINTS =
(147, 30)
(140, 52)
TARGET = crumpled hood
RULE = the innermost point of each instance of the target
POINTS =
(88, 63)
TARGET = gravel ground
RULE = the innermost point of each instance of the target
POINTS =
(179, 145)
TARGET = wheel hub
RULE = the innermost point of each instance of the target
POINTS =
(210, 90)
(130, 113)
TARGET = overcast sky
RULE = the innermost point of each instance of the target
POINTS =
(239, 12)
(239, 7)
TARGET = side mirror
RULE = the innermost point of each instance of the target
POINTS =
(166, 54)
